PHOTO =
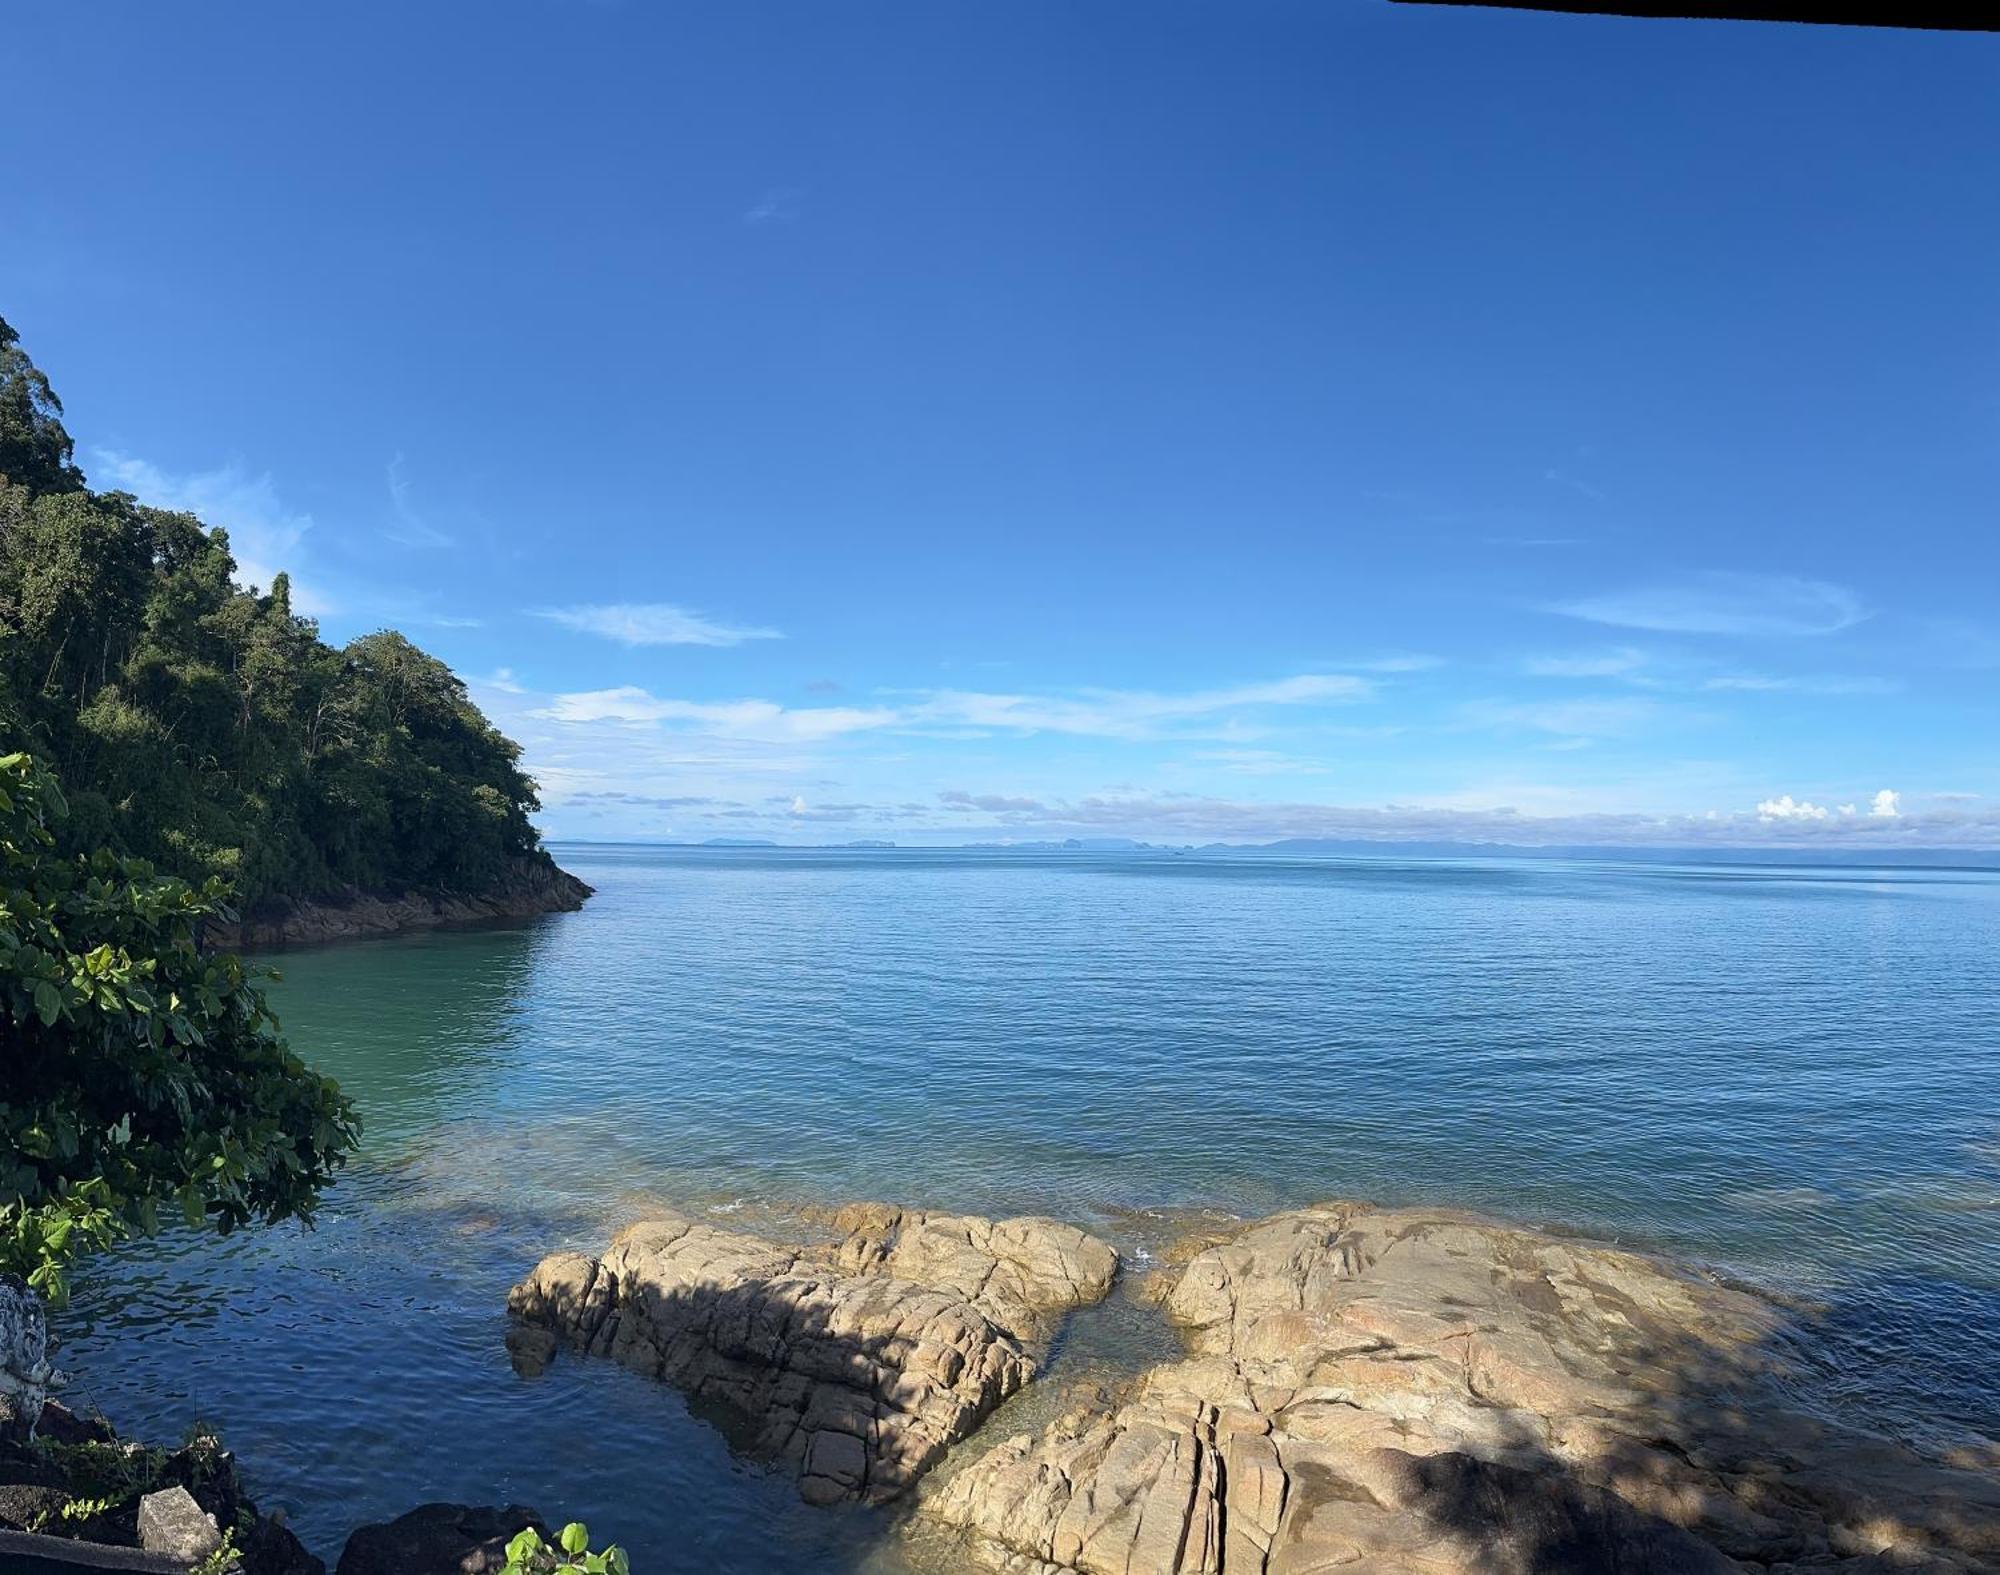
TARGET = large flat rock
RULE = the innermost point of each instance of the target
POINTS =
(1417, 1392)
(1020, 1272)
(859, 1363)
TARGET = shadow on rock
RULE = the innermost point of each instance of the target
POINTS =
(1417, 1392)
(857, 1363)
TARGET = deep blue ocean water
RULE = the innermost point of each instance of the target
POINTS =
(1790, 1073)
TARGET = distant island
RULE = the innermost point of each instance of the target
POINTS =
(1383, 848)
(206, 727)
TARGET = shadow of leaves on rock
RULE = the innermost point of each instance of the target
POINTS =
(1421, 1391)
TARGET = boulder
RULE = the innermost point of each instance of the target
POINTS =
(61, 1425)
(1419, 1392)
(1019, 1272)
(530, 1349)
(859, 1363)
(267, 1546)
(173, 1524)
(439, 1539)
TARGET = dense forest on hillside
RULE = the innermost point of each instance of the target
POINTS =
(208, 727)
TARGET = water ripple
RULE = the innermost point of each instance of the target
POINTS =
(1790, 1073)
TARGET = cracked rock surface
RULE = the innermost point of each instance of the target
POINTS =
(1420, 1392)
(859, 1363)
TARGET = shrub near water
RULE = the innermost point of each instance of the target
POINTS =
(141, 1079)
(528, 1554)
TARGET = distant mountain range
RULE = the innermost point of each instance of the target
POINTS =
(1353, 848)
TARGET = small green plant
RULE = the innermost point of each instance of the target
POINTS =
(74, 1511)
(528, 1554)
(225, 1557)
(114, 1471)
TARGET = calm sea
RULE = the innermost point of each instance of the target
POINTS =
(1791, 1073)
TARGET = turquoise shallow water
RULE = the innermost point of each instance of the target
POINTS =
(1791, 1073)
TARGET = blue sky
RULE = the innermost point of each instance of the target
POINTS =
(1187, 421)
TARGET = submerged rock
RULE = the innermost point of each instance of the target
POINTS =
(859, 1363)
(1414, 1392)
(439, 1539)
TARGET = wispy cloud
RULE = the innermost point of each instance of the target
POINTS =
(1131, 714)
(1576, 484)
(1573, 719)
(411, 528)
(265, 537)
(1731, 604)
(780, 205)
(1765, 683)
(644, 800)
(992, 803)
(1408, 662)
(750, 719)
(1679, 672)
(652, 623)
(1090, 713)
(1257, 762)
(1586, 664)
(1958, 642)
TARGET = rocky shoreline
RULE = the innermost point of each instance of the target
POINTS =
(76, 1493)
(77, 1500)
(532, 887)
(1395, 1391)
(1344, 1387)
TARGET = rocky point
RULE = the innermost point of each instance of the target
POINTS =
(858, 1362)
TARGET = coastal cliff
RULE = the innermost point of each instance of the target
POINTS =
(532, 885)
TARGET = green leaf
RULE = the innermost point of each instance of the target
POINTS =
(48, 1003)
(575, 1538)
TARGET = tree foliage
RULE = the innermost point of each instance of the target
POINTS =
(141, 1077)
(208, 727)
(34, 448)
